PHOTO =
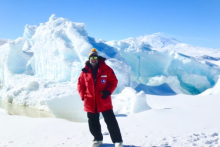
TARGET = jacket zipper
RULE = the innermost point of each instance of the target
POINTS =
(94, 90)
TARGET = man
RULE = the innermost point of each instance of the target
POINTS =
(96, 83)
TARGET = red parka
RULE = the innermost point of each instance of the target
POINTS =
(90, 91)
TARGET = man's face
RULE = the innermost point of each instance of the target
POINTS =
(93, 60)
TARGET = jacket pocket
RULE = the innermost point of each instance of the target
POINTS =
(89, 103)
(106, 102)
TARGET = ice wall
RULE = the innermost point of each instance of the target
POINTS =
(214, 90)
(50, 55)
(45, 63)
(155, 60)
(130, 101)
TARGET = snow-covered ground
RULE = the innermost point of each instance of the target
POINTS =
(177, 121)
(167, 95)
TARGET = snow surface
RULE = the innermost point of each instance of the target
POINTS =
(155, 73)
(179, 120)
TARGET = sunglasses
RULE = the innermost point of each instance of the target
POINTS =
(93, 57)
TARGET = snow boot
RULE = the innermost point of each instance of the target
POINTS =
(118, 144)
(96, 143)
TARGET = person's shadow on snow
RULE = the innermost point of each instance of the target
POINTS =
(112, 145)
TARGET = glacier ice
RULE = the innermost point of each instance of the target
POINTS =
(214, 90)
(163, 89)
(130, 101)
(151, 59)
(44, 64)
(69, 106)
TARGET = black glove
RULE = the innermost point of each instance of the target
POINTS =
(105, 94)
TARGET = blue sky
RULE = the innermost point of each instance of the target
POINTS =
(195, 22)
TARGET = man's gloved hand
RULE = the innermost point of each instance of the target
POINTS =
(105, 94)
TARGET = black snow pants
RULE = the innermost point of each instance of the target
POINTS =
(112, 125)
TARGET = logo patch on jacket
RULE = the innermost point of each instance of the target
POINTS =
(103, 75)
(103, 81)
